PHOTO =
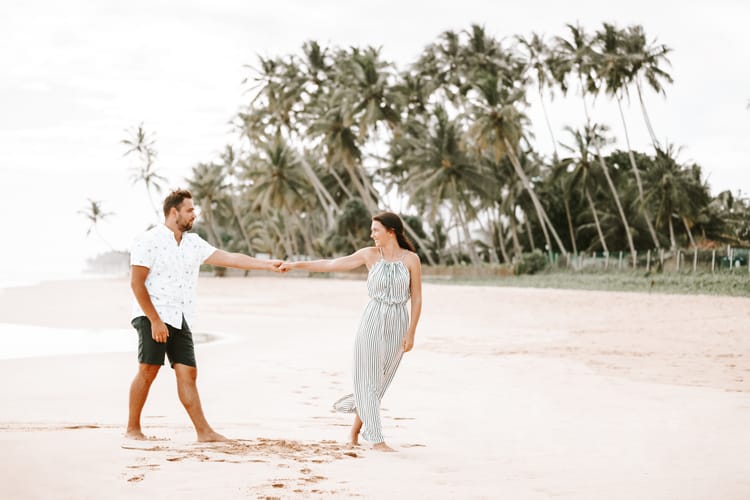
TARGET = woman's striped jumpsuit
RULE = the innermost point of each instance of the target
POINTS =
(377, 347)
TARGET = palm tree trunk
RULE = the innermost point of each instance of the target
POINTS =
(549, 125)
(537, 205)
(636, 172)
(96, 230)
(616, 197)
(282, 240)
(557, 238)
(583, 98)
(491, 231)
(236, 214)
(361, 185)
(464, 227)
(596, 220)
(514, 233)
(341, 183)
(151, 201)
(569, 218)
(452, 249)
(645, 113)
(689, 232)
(325, 198)
(529, 234)
(672, 240)
(498, 233)
(210, 228)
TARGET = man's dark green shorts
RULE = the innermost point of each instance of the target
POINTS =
(178, 347)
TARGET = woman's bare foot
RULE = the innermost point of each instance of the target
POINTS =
(354, 435)
(382, 447)
(211, 437)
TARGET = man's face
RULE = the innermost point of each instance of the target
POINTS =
(185, 215)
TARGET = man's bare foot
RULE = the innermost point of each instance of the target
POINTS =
(212, 437)
(382, 447)
(140, 436)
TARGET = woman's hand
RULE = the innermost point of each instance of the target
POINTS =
(286, 266)
(408, 342)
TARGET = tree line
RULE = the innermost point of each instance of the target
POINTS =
(332, 135)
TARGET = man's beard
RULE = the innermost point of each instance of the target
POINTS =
(184, 226)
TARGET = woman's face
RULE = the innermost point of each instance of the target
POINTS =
(379, 234)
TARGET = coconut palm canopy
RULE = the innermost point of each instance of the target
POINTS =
(332, 135)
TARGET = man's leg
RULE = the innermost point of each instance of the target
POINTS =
(138, 394)
(188, 392)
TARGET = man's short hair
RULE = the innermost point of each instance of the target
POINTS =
(175, 199)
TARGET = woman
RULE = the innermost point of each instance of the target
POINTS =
(386, 331)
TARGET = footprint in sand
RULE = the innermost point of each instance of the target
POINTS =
(136, 479)
(144, 466)
(138, 448)
(415, 445)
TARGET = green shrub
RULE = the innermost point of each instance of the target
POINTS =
(531, 263)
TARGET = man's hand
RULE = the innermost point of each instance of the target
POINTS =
(159, 331)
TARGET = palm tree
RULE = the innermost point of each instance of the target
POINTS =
(498, 125)
(207, 186)
(559, 175)
(614, 71)
(95, 215)
(575, 56)
(141, 144)
(673, 190)
(584, 61)
(229, 162)
(598, 140)
(537, 60)
(277, 179)
(439, 170)
(584, 173)
(277, 110)
(646, 62)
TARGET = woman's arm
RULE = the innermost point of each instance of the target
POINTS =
(358, 258)
(415, 288)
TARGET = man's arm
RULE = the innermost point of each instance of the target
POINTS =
(138, 275)
(241, 261)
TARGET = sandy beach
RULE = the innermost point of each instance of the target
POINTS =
(509, 393)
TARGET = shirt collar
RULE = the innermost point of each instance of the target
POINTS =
(166, 232)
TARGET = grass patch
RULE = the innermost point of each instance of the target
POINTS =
(731, 284)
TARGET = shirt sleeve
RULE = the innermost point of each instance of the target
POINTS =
(205, 249)
(142, 253)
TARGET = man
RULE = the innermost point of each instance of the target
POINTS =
(164, 272)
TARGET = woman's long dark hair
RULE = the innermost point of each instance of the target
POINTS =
(393, 222)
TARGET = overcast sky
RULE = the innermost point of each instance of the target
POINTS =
(77, 74)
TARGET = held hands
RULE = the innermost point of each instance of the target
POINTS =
(276, 266)
(281, 266)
